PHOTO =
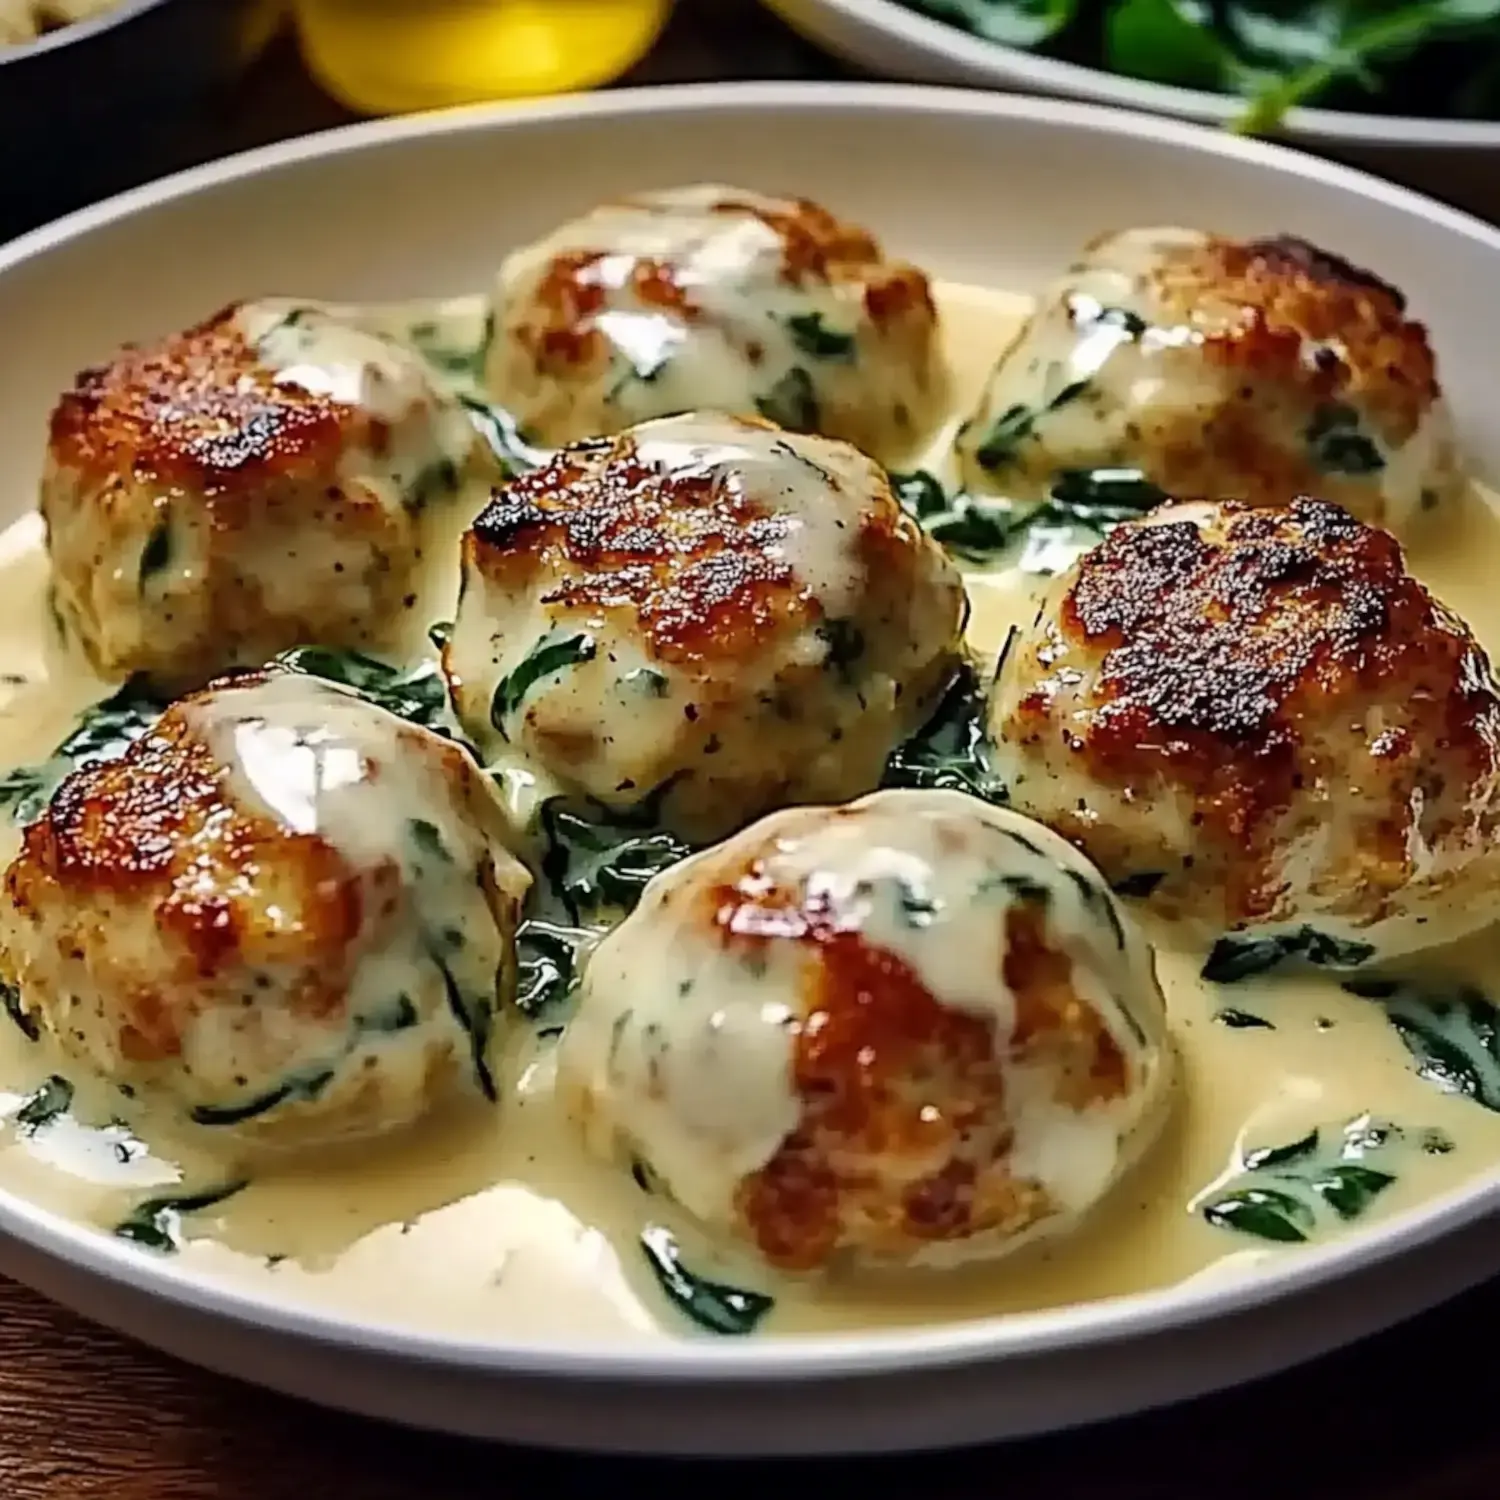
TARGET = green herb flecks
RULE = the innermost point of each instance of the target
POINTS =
(1239, 957)
(712, 1305)
(1287, 1193)
(813, 337)
(1452, 1034)
(156, 1223)
(951, 751)
(549, 656)
(792, 402)
(52, 1099)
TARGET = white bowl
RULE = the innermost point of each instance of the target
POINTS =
(1455, 159)
(428, 205)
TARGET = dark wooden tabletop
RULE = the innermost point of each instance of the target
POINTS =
(1411, 1415)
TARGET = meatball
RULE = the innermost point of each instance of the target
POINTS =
(1229, 369)
(704, 611)
(1260, 717)
(914, 1029)
(254, 483)
(710, 297)
(224, 924)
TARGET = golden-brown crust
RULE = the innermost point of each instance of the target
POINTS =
(1215, 663)
(816, 246)
(694, 560)
(1260, 304)
(904, 1134)
(158, 828)
(199, 411)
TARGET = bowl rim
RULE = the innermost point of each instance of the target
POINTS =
(1015, 67)
(77, 31)
(669, 1361)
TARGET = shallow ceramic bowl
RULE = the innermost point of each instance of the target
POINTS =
(1454, 159)
(428, 206)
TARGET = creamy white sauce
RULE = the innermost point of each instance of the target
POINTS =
(498, 1222)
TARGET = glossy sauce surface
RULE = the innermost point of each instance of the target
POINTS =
(494, 1222)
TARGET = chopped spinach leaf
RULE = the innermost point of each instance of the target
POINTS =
(157, 552)
(1141, 884)
(103, 732)
(498, 428)
(920, 494)
(157, 1222)
(476, 1016)
(812, 336)
(792, 402)
(432, 483)
(951, 751)
(1102, 497)
(547, 963)
(1283, 1192)
(307, 1085)
(1017, 423)
(598, 864)
(428, 841)
(1452, 1034)
(1234, 957)
(439, 633)
(846, 644)
(52, 1099)
(710, 1304)
(417, 693)
(26, 1023)
(1242, 1020)
(550, 655)
(1338, 446)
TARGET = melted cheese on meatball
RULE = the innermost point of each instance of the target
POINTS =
(1265, 718)
(706, 608)
(254, 483)
(914, 1029)
(713, 298)
(285, 915)
(1227, 369)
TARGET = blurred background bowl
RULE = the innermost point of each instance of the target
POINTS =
(1439, 157)
(90, 108)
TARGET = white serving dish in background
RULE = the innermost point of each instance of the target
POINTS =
(1457, 160)
(975, 186)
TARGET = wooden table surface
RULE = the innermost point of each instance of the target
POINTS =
(1410, 1415)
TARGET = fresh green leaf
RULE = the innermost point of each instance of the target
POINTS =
(951, 751)
(53, 1098)
(156, 1223)
(1013, 23)
(1168, 41)
(792, 402)
(813, 337)
(1453, 1034)
(1237, 957)
(712, 1305)
(550, 655)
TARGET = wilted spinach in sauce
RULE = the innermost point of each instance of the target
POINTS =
(156, 1223)
(1289, 1193)
(712, 1305)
